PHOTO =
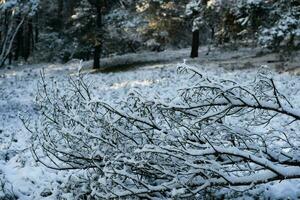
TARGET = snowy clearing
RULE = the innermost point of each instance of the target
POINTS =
(19, 173)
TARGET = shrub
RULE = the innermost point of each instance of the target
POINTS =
(209, 137)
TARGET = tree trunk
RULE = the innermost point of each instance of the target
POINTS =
(212, 38)
(10, 58)
(97, 53)
(69, 6)
(195, 44)
(28, 39)
(97, 47)
(19, 40)
(212, 34)
(60, 15)
(6, 23)
(6, 49)
(36, 30)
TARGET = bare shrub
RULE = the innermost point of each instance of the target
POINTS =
(217, 133)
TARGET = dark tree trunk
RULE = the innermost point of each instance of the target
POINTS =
(19, 41)
(100, 5)
(28, 39)
(69, 6)
(99, 18)
(10, 58)
(31, 34)
(36, 29)
(212, 38)
(195, 44)
(97, 47)
(212, 34)
(5, 23)
(8, 47)
(60, 15)
(3, 34)
(97, 52)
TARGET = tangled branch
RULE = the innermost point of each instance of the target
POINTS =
(213, 134)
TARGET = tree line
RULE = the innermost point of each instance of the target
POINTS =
(65, 29)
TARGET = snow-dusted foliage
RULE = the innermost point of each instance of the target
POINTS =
(284, 29)
(18, 6)
(13, 14)
(195, 10)
(215, 133)
(163, 25)
(272, 24)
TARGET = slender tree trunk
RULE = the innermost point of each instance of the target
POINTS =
(19, 40)
(31, 35)
(97, 52)
(212, 34)
(26, 44)
(10, 58)
(97, 47)
(195, 44)
(4, 33)
(36, 30)
(6, 50)
(60, 15)
(69, 6)
(28, 38)
(212, 38)
(6, 23)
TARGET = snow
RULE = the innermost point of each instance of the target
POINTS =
(284, 190)
(28, 179)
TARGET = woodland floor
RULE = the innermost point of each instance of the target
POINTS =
(149, 72)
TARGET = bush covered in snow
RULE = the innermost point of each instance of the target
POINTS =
(214, 134)
(284, 31)
(6, 188)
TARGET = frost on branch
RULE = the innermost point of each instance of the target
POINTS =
(214, 134)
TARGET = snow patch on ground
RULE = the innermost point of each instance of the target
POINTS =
(29, 180)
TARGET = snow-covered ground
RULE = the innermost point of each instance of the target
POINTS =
(21, 176)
